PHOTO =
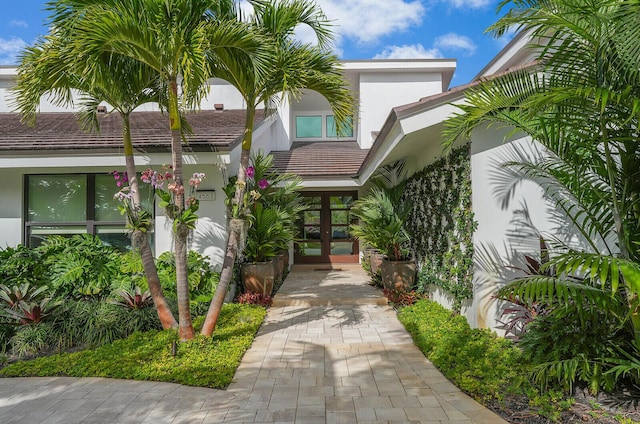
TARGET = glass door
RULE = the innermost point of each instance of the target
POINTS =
(324, 229)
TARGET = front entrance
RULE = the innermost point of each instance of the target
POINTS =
(324, 229)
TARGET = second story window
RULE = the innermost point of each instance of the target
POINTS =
(319, 127)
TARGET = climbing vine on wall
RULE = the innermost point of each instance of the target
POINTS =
(441, 223)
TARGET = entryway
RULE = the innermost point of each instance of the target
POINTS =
(324, 229)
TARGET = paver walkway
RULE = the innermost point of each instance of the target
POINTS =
(313, 361)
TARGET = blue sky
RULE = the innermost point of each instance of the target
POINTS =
(365, 29)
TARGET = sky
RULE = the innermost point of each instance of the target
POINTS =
(365, 29)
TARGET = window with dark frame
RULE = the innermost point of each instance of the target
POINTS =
(68, 204)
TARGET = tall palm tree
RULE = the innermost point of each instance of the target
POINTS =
(582, 103)
(178, 39)
(286, 67)
(50, 67)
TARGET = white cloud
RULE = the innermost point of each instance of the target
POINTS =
(413, 51)
(18, 23)
(9, 50)
(453, 41)
(473, 4)
(366, 21)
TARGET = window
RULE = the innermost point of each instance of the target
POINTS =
(331, 127)
(308, 126)
(320, 126)
(66, 204)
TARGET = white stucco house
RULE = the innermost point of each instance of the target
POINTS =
(55, 178)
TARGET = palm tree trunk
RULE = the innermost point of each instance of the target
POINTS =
(139, 239)
(181, 231)
(232, 243)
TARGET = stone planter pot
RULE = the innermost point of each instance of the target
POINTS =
(258, 277)
(398, 275)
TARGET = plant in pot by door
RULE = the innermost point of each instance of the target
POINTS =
(264, 241)
(381, 226)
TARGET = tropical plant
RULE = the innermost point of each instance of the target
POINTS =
(33, 312)
(581, 104)
(382, 224)
(12, 296)
(81, 265)
(285, 67)
(132, 299)
(202, 279)
(21, 265)
(56, 65)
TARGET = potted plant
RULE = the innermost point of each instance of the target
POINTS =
(271, 207)
(381, 225)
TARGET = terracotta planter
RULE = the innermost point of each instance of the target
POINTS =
(258, 277)
(398, 275)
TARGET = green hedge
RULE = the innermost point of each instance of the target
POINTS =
(204, 362)
(477, 361)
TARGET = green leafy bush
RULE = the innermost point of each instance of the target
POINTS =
(202, 279)
(477, 361)
(205, 362)
(79, 266)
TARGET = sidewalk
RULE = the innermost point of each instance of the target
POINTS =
(313, 361)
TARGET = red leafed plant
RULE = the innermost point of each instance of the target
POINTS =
(134, 299)
(402, 298)
(255, 299)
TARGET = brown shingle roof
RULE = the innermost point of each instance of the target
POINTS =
(219, 130)
(321, 159)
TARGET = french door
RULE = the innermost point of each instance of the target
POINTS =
(324, 229)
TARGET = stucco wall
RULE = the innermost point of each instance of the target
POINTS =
(379, 92)
(498, 236)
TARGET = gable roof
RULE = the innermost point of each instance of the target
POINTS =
(212, 131)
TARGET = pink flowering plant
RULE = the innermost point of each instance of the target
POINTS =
(168, 195)
(138, 219)
(166, 188)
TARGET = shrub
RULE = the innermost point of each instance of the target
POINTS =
(205, 362)
(477, 361)
(202, 279)
(31, 339)
(255, 299)
(402, 298)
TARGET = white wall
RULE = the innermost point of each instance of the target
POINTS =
(497, 237)
(10, 208)
(379, 92)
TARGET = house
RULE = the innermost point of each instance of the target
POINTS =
(56, 178)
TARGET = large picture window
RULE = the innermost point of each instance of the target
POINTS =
(67, 204)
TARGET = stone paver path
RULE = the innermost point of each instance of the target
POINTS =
(324, 363)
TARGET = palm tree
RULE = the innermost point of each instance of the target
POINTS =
(286, 67)
(50, 67)
(581, 103)
(178, 39)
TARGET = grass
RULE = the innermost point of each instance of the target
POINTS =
(204, 362)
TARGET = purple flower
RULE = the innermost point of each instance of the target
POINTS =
(263, 184)
(251, 171)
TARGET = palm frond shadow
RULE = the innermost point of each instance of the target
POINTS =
(570, 224)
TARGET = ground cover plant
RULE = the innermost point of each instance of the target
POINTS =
(204, 362)
(77, 292)
(496, 372)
